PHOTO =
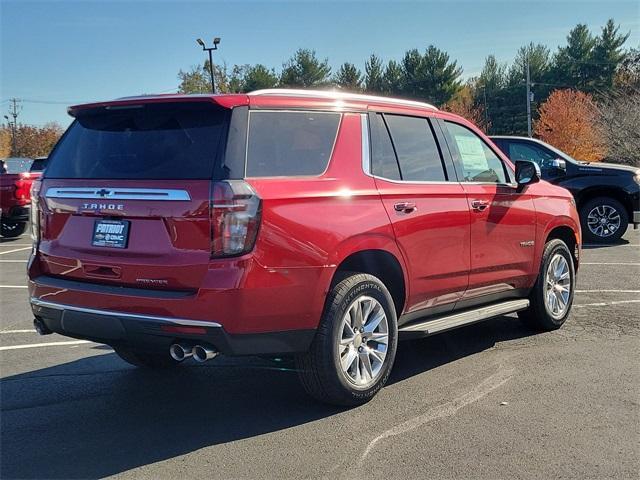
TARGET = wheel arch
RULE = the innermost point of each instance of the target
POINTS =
(380, 263)
(605, 191)
(568, 236)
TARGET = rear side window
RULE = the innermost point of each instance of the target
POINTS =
(416, 148)
(290, 143)
(479, 162)
(151, 141)
(383, 159)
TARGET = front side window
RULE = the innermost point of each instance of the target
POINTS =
(533, 153)
(290, 143)
(478, 162)
(416, 148)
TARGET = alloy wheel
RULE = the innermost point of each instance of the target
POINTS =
(603, 220)
(557, 286)
(364, 338)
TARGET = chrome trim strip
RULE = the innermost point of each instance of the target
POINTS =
(366, 151)
(152, 318)
(118, 193)
(292, 92)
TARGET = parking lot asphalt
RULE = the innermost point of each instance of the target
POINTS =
(491, 401)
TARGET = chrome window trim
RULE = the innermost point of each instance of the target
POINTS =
(118, 193)
(151, 318)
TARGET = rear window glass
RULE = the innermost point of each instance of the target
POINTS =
(154, 141)
(15, 165)
(290, 143)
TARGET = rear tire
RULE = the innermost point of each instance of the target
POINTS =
(603, 220)
(552, 295)
(353, 351)
(10, 229)
(142, 359)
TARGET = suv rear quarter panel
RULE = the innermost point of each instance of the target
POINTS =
(309, 226)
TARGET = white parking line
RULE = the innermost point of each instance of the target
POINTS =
(18, 331)
(13, 286)
(606, 304)
(50, 344)
(15, 245)
(607, 291)
(15, 250)
(14, 261)
(608, 263)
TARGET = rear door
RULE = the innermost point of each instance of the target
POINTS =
(126, 195)
(427, 207)
(502, 219)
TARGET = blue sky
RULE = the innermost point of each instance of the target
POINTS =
(59, 52)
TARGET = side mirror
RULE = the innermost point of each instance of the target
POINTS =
(559, 163)
(527, 173)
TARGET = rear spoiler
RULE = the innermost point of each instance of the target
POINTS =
(225, 101)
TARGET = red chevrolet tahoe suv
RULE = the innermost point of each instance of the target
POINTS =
(319, 225)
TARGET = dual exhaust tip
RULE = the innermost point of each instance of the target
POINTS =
(200, 353)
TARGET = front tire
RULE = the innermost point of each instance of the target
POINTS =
(10, 229)
(552, 295)
(138, 358)
(603, 220)
(354, 348)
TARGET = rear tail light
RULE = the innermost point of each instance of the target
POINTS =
(23, 184)
(35, 213)
(236, 211)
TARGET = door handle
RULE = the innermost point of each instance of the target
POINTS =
(405, 207)
(479, 205)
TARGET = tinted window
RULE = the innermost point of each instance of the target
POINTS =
(479, 163)
(290, 143)
(38, 165)
(154, 141)
(543, 157)
(383, 159)
(416, 148)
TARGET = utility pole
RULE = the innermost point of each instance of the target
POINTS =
(14, 111)
(216, 41)
(528, 99)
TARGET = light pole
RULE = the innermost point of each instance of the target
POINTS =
(216, 41)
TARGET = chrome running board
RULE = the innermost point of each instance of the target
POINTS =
(455, 320)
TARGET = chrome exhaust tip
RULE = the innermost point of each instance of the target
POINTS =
(180, 352)
(40, 327)
(202, 353)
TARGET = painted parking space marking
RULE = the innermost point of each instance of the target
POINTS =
(15, 245)
(38, 345)
(606, 304)
(13, 286)
(607, 291)
(18, 331)
(14, 261)
(608, 263)
(15, 250)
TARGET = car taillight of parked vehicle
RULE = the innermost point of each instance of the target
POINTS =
(23, 186)
(236, 211)
(34, 213)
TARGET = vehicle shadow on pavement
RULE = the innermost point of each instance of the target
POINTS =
(595, 246)
(96, 416)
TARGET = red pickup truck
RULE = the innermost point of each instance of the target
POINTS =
(16, 177)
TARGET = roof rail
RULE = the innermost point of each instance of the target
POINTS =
(335, 95)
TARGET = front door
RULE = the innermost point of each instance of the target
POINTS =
(502, 219)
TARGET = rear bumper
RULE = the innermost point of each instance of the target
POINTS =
(151, 332)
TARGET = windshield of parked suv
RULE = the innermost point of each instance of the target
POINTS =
(149, 141)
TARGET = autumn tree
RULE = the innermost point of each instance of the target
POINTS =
(31, 141)
(5, 142)
(568, 121)
(463, 104)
